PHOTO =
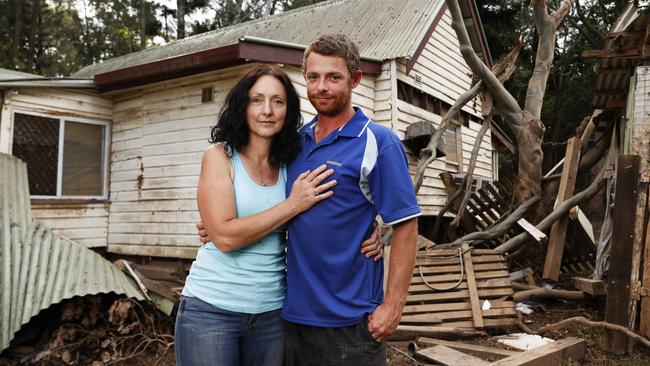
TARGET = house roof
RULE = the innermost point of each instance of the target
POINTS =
(6, 74)
(383, 29)
(625, 49)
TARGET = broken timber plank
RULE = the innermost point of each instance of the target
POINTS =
(477, 316)
(590, 286)
(557, 353)
(637, 252)
(644, 322)
(558, 230)
(469, 348)
(448, 356)
(620, 268)
(537, 234)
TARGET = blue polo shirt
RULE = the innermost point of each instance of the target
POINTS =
(329, 282)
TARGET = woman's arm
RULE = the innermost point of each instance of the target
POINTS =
(216, 202)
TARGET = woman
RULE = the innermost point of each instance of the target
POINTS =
(230, 310)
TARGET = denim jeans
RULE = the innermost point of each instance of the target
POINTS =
(207, 335)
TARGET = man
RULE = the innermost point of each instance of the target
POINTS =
(335, 309)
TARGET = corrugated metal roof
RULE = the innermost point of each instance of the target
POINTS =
(616, 81)
(384, 29)
(6, 74)
(40, 268)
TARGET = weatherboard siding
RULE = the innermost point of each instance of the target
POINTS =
(84, 222)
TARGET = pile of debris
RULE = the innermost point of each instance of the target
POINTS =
(92, 330)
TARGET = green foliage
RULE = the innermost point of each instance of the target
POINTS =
(572, 78)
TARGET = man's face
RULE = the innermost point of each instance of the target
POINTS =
(329, 83)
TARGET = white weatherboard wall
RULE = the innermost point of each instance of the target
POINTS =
(159, 134)
(84, 222)
(443, 74)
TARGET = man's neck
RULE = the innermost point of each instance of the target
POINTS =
(328, 124)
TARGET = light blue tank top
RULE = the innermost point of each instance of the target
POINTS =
(252, 279)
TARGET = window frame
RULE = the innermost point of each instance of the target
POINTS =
(458, 165)
(59, 169)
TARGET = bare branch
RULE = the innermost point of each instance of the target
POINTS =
(559, 211)
(469, 175)
(548, 293)
(507, 103)
(500, 228)
(427, 155)
(546, 28)
(605, 325)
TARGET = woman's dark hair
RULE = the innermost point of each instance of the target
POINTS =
(232, 129)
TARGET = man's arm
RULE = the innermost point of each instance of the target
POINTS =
(384, 320)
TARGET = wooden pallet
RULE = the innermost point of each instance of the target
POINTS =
(485, 278)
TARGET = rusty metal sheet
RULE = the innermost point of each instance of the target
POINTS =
(38, 267)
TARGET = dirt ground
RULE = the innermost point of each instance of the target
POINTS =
(555, 311)
(162, 352)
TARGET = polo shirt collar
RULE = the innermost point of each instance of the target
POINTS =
(353, 128)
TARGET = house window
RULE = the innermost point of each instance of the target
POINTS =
(453, 148)
(65, 158)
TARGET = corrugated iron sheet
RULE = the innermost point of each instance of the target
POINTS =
(40, 268)
(384, 29)
(630, 21)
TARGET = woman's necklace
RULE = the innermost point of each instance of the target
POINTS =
(257, 173)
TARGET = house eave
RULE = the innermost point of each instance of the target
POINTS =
(246, 50)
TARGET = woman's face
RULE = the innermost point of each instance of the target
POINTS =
(267, 107)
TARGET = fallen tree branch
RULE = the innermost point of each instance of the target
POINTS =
(561, 210)
(547, 293)
(409, 332)
(500, 228)
(506, 102)
(590, 323)
(427, 155)
(469, 176)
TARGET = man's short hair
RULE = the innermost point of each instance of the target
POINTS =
(335, 45)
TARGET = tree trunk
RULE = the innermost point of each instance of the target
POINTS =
(180, 15)
(529, 168)
(13, 61)
(36, 11)
(143, 24)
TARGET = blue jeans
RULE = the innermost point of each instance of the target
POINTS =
(210, 336)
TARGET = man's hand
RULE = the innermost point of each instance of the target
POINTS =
(203, 234)
(383, 321)
(371, 247)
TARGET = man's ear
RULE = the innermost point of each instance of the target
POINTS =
(356, 78)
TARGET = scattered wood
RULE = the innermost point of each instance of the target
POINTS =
(538, 235)
(618, 279)
(562, 209)
(448, 356)
(547, 293)
(589, 323)
(590, 286)
(558, 230)
(468, 348)
(449, 288)
(500, 228)
(560, 352)
(410, 332)
(644, 318)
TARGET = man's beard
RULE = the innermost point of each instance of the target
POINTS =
(334, 106)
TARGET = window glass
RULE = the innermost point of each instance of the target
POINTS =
(82, 159)
(36, 142)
